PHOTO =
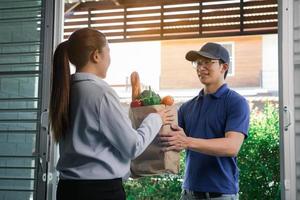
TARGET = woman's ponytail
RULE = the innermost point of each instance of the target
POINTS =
(60, 94)
(77, 50)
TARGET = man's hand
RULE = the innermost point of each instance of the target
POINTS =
(175, 140)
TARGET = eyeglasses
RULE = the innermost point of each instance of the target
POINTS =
(200, 63)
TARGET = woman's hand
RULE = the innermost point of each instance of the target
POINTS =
(167, 116)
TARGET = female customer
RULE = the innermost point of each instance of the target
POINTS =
(95, 136)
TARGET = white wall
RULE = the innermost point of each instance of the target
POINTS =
(270, 62)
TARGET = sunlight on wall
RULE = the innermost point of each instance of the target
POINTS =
(270, 62)
(143, 57)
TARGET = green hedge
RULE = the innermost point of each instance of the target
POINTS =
(258, 161)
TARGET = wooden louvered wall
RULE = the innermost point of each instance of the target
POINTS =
(175, 19)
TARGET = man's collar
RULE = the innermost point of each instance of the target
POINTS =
(221, 90)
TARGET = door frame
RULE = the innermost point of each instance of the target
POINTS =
(286, 96)
(286, 100)
(44, 90)
(57, 31)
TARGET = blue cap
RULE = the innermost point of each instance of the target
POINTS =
(209, 50)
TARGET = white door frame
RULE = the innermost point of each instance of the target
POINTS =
(53, 154)
(286, 100)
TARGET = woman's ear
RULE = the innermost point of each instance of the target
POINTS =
(95, 56)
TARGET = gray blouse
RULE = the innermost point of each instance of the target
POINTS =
(100, 142)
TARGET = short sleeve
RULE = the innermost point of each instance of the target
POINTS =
(180, 113)
(238, 116)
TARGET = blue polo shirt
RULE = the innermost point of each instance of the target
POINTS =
(211, 116)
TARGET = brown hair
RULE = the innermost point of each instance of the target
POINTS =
(77, 49)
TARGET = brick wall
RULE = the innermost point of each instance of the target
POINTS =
(177, 73)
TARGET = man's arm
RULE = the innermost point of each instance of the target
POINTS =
(228, 146)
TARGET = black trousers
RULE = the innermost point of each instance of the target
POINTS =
(90, 190)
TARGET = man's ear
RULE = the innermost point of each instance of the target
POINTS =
(225, 67)
(95, 56)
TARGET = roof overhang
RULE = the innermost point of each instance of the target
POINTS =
(136, 20)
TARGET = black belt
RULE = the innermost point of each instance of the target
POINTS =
(203, 194)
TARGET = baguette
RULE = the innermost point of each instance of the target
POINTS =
(135, 85)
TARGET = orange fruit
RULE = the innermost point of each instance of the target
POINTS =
(167, 100)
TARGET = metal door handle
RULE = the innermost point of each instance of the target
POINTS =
(288, 120)
(45, 119)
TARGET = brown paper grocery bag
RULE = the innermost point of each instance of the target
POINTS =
(153, 161)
